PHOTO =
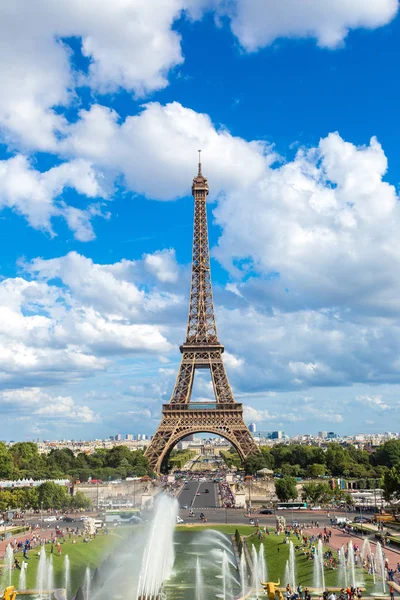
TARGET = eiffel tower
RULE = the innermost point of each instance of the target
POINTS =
(201, 350)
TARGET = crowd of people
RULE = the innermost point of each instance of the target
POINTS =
(226, 497)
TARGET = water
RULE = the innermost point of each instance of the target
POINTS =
(286, 578)
(226, 577)
(351, 568)
(50, 574)
(22, 576)
(9, 562)
(41, 572)
(199, 581)
(262, 563)
(380, 566)
(342, 580)
(318, 571)
(88, 577)
(67, 575)
(159, 553)
(256, 575)
(243, 574)
(292, 567)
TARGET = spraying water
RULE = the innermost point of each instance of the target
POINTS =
(158, 555)
(50, 574)
(243, 574)
(41, 572)
(67, 575)
(286, 578)
(351, 567)
(255, 579)
(9, 561)
(380, 565)
(342, 580)
(22, 576)
(262, 563)
(319, 573)
(88, 577)
(292, 566)
(199, 582)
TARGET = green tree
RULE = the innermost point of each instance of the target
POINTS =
(6, 463)
(388, 454)
(317, 470)
(391, 484)
(51, 495)
(254, 463)
(285, 488)
(79, 500)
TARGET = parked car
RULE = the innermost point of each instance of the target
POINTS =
(362, 520)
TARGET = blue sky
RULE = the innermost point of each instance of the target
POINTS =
(101, 114)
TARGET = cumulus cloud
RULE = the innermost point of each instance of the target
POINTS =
(38, 403)
(38, 196)
(71, 316)
(251, 414)
(375, 402)
(257, 23)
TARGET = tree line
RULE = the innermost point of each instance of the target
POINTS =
(23, 461)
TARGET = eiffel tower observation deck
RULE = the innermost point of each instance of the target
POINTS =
(201, 350)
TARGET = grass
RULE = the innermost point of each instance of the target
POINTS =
(80, 555)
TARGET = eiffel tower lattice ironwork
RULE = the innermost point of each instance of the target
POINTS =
(201, 350)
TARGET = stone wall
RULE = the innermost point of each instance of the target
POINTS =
(126, 489)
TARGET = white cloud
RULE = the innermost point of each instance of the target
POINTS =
(37, 403)
(251, 414)
(69, 321)
(374, 402)
(163, 265)
(128, 44)
(258, 23)
(38, 195)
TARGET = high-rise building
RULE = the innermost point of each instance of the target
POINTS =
(276, 435)
(129, 436)
(323, 434)
(252, 427)
(331, 435)
(118, 437)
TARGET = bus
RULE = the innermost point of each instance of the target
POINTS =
(291, 506)
(123, 517)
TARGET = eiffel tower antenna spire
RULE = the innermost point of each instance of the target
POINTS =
(201, 350)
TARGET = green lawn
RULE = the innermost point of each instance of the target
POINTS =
(80, 555)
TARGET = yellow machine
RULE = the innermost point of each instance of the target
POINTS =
(272, 589)
(9, 593)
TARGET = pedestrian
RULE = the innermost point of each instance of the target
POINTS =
(391, 592)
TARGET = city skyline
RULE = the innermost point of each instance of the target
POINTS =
(296, 119)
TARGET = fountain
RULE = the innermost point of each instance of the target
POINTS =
(87, 583)
(342, 579)
(243, 574)
(41, 572)
(9, 562)
(256, 578)
(50, 574)
(380, 566)
(22, 576)
(262, 563)
(158, 555)
(351, 567)
(67, 575)
(286, 577)
(292, 567)
(318, 571)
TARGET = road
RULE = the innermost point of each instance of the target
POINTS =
(194, 494)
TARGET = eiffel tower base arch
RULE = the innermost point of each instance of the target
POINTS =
(181, 420)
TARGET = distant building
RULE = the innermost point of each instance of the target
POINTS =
(118, 437)
(252, 427)
(331, 435)
(129, 436)
(276, 435)
(323, 434)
